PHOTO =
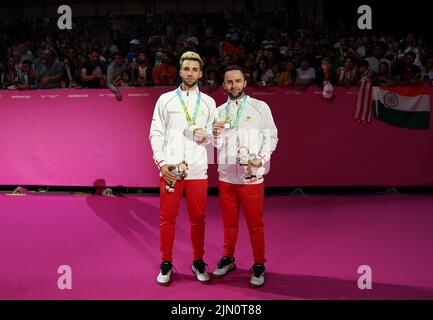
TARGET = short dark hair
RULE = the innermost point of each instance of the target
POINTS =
(327, 60)
(234, 68)
(27, 62)
(411, 53)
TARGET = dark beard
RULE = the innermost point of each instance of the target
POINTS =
(190, 85)
(240, 94)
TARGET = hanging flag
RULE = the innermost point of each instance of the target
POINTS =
(363, 105)
(403, 106)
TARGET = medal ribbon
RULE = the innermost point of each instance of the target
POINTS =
(238, 114)
(185, 107)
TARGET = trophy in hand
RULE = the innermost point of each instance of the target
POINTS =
(247, 160)
(181, 171)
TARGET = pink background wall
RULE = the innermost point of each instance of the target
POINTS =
(75, 137)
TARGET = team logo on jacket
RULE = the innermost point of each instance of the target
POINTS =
(248, 119)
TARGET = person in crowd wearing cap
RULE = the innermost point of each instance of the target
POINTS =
(180, 131)
(243, 124)
(133, 50)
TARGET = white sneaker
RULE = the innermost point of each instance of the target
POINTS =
(199, 268)
(165, 273)
(258, 276)
(224, 265)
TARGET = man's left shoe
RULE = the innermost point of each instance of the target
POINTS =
(258, 276)
(199, 268)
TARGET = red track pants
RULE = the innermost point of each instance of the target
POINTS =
(196, 196)
(251, 197)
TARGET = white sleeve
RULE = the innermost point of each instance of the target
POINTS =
(157, 134)
(270, 136)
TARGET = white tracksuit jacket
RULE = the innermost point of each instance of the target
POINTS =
(170, 136)
(256, 131)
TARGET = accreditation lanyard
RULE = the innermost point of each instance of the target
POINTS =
(191, 121)
(238, 114)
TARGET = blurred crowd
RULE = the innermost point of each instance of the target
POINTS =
(281, 48)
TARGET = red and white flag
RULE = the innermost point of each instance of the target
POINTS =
(363, 106)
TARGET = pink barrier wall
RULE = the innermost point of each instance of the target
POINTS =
(76, 137)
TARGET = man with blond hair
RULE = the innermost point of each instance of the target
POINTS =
(180, 132)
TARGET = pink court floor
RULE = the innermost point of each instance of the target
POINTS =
(314, 246)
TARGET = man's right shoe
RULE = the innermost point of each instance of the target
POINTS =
(258, 276)
(199, 268)
(224, 266)
(165, 273)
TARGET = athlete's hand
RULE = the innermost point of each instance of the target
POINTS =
(255, 164)
(217, 128)
(166, 174)
(200, 134)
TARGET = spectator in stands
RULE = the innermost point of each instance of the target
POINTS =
(259, 56)
(263, 76)
(288, 76)
(164, 44)
(211, 81)
(377, 57)
(110, 48)
(164, 74)
(325, 73)
(409, 44)
(17, 60)
(9, 75)
(363, 71)
(93, 71)
(26, 78)
(268, 44)
(383, 76)
(50, 71)
(427, 70)
(124, 80)
(352, 53)
(305, 74)
(276, 73)
(362, 48)
(347, 75)
(249, 71)
(141, 73)
(71, 69)
(114, 74)
(133, 50)
(406, 71)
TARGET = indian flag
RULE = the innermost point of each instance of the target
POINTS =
(403, 106)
